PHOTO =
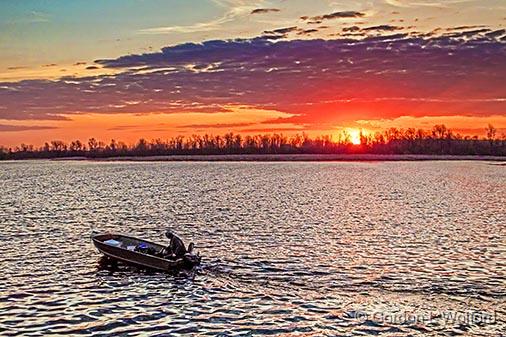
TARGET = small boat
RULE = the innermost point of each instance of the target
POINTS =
(141, 252)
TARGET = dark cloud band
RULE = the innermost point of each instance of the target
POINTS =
(317, 81)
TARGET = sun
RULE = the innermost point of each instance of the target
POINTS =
(354, 136)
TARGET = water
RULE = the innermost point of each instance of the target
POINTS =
(289, 248)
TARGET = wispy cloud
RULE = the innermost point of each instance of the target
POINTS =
(13, 128)
(397, 3)
(37, 16)
(29, 18)
(216, 126)
(411, 3)
(233, 11)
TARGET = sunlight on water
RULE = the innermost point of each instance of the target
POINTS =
(397, 249)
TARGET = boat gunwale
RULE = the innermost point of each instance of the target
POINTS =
(95, 239)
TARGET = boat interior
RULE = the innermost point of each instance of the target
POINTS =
(128, 243)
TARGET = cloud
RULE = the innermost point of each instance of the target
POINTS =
(357, 31)
(36, 16)
(271, 129)
(124, 127)
(33, 17)
(282, 33)
(464, 27)
(233, 11)
(265, 10)
(387, 28)
(418, 3)
(397, 3)
(496, 34)
(317, 82)
(335, 15)
(307, 31)
(351, 29)
(219, 125)
(285, 30)
(12, 128)
(279, 33)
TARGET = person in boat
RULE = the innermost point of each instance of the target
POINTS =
(176, 246)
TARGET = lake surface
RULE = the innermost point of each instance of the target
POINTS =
(293, 249)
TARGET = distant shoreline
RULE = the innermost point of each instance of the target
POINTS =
(294, 158)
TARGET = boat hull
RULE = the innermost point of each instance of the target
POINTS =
(137, 258)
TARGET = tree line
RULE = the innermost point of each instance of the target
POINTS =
(438, 141)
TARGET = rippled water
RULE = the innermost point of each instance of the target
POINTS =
(289, 248)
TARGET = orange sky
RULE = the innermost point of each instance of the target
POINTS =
(67, 71)
(130, 127)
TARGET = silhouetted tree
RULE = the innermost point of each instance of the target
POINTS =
(491, 133)
(3, 153)
(439, 140)
(92, 144)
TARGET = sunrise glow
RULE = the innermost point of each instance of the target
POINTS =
(242, 67)
(354, 135)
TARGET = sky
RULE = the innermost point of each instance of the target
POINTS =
(130, 69)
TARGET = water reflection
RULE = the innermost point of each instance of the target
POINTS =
(289, 248)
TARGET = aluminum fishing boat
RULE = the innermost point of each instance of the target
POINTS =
(141, 252)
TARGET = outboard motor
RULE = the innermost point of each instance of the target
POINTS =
(191, 259)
